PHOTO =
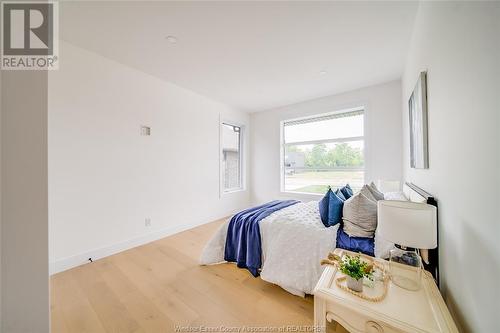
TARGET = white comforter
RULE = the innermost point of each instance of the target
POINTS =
(294, 240)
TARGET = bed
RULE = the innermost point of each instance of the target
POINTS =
(293, 240)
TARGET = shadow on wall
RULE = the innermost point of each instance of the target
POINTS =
(476, 271)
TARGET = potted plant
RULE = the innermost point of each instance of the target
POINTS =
(355, 269)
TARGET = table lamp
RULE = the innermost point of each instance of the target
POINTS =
(411, 226)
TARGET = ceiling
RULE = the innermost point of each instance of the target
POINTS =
(250, 55)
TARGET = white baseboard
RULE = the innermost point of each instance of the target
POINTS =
(63, 264)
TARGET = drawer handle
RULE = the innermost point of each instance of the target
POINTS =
(373, 327)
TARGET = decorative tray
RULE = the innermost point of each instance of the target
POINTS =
(373, 291)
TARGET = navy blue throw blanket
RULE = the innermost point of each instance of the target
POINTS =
(243, 243)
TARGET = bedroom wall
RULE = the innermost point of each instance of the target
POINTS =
(0, 201)
(24, 206)
(106, 179)
(458, 44)
(383, 133)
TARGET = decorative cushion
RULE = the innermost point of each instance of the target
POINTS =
(365, 190)
(330, 209)
(323, 207)
(335, 207)
(340, 195)
(375, 192)
(360, 216)
(347, 191)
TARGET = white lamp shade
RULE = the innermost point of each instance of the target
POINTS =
(407, 223)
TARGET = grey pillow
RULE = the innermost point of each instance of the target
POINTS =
(375, 192)
(365, 190)
(360, 216)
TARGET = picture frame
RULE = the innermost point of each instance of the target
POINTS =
(417, 105)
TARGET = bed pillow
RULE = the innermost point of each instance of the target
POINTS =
(367, 193)
(360, 216)
(323, 207)
(395, 196)
(347, 191)
(375, 192)
(335, 207)
(330, 209)
(340, 195)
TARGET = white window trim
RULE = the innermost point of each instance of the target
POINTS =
(242, 187)
(306, 195)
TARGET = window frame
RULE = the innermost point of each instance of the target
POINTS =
(222, 190)
(283, 145)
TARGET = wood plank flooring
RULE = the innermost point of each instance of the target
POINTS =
(160, 286)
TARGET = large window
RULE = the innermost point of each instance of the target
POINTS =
(231, 163)
(324, 150)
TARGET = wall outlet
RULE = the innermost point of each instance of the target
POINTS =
(147, 222)
(145, 130)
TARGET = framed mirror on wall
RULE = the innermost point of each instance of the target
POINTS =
(417, 104)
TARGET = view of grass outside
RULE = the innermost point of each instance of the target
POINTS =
(313, 168)
(318, 181)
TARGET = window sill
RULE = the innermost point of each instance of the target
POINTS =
(236, 190)
(302, 195)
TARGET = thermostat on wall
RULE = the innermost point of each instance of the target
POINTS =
(145, 130)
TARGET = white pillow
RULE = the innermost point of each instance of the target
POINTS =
(395, 196)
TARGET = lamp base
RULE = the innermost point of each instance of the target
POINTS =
(408, 275)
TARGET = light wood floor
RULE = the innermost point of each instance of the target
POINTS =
(154, 287)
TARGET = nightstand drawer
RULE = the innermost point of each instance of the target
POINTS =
(356, 322)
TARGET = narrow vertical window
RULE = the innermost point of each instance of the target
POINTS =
(231, 157)
(323, 150)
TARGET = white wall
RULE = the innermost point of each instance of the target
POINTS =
(0, 201)
(24, 207)
(105, 179)
(458, 44)
(382, 136)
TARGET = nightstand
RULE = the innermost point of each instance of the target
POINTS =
(400, 311)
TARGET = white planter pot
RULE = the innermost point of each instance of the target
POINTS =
(356, 285)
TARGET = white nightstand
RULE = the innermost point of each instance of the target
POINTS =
(400, 311)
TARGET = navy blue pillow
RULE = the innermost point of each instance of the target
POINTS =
(323, 207)
(347, 191)
(340, 195)
(335, 206)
